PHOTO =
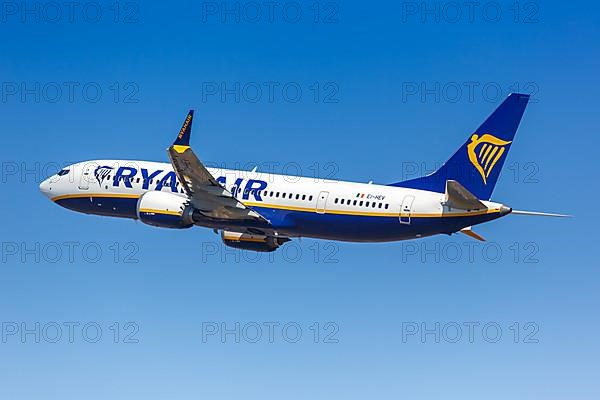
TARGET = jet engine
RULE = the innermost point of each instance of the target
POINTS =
(250, 241)
(165, 210)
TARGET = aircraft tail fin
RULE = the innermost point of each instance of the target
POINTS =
(477, 163)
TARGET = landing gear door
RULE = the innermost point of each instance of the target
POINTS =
(86, 176)
(406, 209)
(322, 202)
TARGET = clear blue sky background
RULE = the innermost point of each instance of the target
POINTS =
(377, 129)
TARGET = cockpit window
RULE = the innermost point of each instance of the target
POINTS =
(62, 172)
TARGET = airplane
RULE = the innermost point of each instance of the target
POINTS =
(260, 212)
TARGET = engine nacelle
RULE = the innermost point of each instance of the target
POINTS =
(165, 210)
(248, 241)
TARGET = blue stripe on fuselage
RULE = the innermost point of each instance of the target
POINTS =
(305, 223)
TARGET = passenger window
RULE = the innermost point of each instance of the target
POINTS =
(386, 206)
(303, 197)
(361, 203)
(297, 196)
(354, 203)
(277, 194)
(336, 201)
(310, 198)
(379, 205)
(367, 204)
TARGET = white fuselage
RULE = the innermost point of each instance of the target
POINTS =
(295, 206)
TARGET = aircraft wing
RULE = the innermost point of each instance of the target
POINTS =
(206, 194)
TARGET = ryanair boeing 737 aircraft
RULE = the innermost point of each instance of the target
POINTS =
(257, 211)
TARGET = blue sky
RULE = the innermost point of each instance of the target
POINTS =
(359, 92)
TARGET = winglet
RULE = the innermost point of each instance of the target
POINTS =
(183, 138)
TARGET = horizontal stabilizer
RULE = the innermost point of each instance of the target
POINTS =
(540, 214)
(469, 232)
(457, 196)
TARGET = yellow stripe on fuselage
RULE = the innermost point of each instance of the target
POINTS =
(153, 211)
(374, 214)
(83, 195)
(294, 208)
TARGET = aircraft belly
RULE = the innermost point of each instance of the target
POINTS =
(357, 228)
(100, 205)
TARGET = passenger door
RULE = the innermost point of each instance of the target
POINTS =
(86, 176)
(406, 209)
(322, 202)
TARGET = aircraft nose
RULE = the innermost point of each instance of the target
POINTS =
(45, 188)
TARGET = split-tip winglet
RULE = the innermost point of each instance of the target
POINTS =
(183, 138)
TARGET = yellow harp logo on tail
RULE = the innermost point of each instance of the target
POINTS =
(484, 152)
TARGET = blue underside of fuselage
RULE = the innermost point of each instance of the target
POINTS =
(293, 223)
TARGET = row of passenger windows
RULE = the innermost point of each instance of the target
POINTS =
(360, 203)
(282, 195)
(303, 197)
(277, 195)
(138, 180)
